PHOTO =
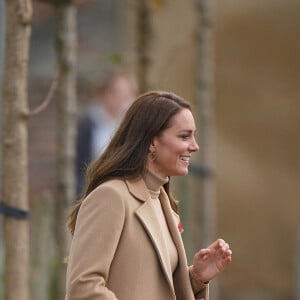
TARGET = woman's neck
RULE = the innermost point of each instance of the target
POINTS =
(153, 181)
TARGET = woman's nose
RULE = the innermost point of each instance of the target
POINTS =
(194, 146)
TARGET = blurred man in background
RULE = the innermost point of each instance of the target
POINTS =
(97, 124)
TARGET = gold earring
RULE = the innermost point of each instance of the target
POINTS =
(152, 153)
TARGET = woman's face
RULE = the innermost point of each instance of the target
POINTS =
(174, 147)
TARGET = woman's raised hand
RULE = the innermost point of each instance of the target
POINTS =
(209, 262)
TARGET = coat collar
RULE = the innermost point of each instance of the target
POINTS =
(138, 189)
(147, 217)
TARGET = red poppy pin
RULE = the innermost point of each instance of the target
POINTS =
(180, 228)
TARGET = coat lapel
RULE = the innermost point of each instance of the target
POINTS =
(146, 215)
(181, 275)
(173, 222)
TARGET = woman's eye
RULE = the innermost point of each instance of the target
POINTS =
(184, 137)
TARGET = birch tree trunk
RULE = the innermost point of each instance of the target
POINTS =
(14, 149)
(66, 42)
(206, 123)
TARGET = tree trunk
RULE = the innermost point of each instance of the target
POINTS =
(205, 105)
(206, 124)
(66, 42)
(42, 246)
(15, 161)
(143, 31)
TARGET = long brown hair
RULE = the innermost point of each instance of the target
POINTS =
(126, 155)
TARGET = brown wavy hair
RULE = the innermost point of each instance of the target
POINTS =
(126, 155)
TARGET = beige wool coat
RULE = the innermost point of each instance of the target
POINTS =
(118, 251)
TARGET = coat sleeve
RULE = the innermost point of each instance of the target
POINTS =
(201, 290)
(203, 294)
(96, 237)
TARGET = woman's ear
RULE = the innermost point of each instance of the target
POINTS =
(153, 144)
(152, 152)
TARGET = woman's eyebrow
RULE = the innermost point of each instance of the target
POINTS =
(186, 131)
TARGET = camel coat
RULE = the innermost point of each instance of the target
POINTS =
(118, 251)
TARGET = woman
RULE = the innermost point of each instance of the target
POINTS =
(127, 243)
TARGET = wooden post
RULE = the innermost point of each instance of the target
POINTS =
(14, 149)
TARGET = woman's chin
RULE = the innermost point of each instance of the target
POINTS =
(182, 172)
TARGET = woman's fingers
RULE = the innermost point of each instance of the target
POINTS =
(220, 246)
(217, 244)
(219, 250)
(202, 254)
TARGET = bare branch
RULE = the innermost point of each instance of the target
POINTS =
(49, 96)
